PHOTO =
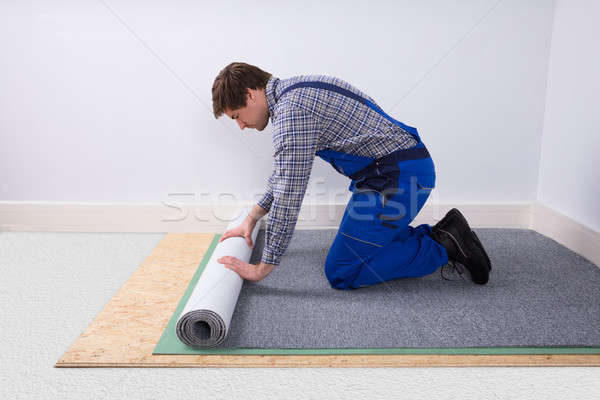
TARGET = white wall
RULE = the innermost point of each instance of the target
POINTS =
(569, 176)
(109, 101)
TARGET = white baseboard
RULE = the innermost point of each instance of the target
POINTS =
(571, 234)
(106, 217)
(102, 217)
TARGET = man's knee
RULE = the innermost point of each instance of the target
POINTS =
(336, 279)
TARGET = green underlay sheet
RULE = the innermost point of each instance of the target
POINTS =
(306, 254)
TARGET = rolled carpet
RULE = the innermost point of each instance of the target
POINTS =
(206, 317)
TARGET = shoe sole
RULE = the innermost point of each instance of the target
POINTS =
(479, 269)
(456, 212)
(482, 249)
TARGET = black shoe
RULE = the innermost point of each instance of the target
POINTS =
(455, 211)
(445, 219)
(458, 214)
(489, 263)
(455, 234)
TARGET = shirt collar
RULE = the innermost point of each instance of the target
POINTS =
(270, 89)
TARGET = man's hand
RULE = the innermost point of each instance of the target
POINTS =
(244, 230)
(251, 272)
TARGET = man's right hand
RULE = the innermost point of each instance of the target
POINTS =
(244, 230)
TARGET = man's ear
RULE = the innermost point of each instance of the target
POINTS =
(249, 95)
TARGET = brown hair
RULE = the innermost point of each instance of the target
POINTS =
(231, 85)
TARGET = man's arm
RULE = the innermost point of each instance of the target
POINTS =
(257, 212)
(267, 199)
(295, 137)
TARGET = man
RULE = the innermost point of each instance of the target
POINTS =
(391, 170)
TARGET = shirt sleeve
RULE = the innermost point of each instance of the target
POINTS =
(295, 138)
(267, 199)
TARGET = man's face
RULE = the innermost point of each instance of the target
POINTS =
(256, 113)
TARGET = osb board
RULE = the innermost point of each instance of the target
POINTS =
(127, 329)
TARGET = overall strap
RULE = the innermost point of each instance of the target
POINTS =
(326, 86)
(347, 93)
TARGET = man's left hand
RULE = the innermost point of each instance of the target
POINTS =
(251, 272)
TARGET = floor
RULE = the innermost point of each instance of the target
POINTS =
(54, 284)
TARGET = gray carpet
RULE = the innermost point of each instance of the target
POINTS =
(539, 294)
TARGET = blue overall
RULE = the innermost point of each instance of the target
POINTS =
(375, 242)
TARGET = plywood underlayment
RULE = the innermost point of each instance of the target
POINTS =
(127, 329)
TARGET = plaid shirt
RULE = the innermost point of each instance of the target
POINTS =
(306, 120)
